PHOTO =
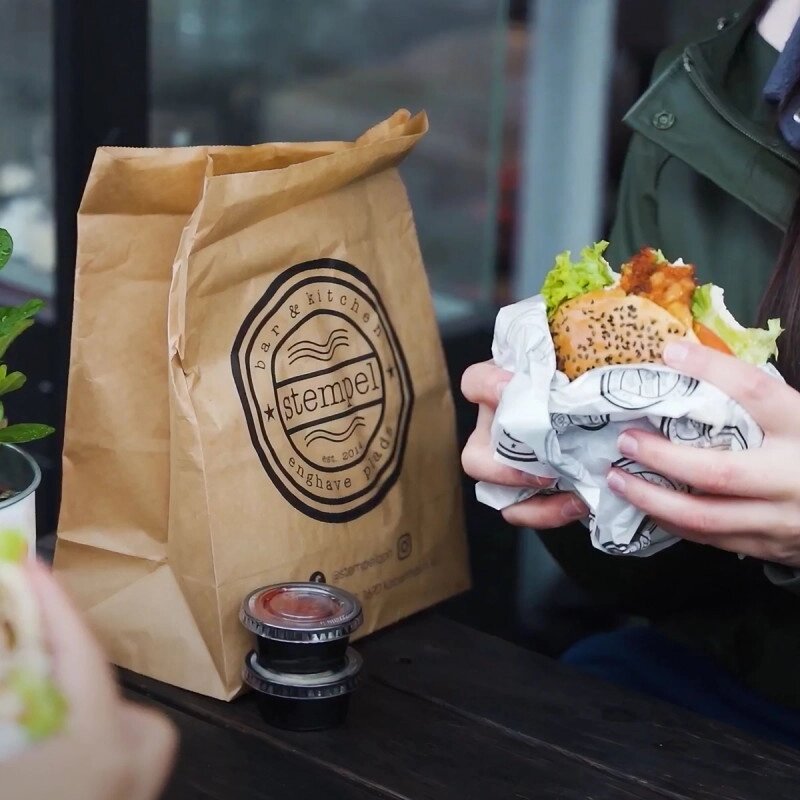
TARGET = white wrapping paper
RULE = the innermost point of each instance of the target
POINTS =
(548, 426)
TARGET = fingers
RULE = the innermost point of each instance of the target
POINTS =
(703, 519)
(543, 513)
(109, 747)
(81, 670)
(772, 404)
(152, 741)
(477, 458)
(483, 383)
(749, 473)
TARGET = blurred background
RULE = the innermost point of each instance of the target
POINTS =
(525, 101)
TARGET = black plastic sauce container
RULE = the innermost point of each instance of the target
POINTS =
(301, 628)
(303, 702)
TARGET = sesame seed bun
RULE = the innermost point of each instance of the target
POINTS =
(608, 327)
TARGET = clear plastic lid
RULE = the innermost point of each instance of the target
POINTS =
(301, 612)
(317, 686)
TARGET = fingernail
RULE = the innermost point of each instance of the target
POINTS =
(615, 481)
(627, 445)
(675, 353)
(500, 387)
(574, 509)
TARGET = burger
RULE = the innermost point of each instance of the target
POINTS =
(31, 706)
(599, 318)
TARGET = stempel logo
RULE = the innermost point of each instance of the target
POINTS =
(325, 388)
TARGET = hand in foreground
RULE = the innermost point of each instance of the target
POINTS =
(750, 501)
(110, 749)
(483, 384)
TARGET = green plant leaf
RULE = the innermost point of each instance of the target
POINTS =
(6, 247)
(14, 321)
(12, 382)
(24, 432)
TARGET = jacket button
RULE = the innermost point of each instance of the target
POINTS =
(663, 120)
(723, 23)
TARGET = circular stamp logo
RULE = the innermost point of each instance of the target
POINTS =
(325, 388)
(636, 388)
(632, 468)
(699, 434)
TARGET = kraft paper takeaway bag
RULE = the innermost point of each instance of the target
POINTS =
(257, 394)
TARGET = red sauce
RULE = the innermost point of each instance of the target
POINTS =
(297, 604)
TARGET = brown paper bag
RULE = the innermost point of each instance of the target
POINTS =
(257, 394)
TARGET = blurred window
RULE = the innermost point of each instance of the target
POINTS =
(26, 149)
(239, 72)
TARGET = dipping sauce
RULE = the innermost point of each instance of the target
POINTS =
(301, 628)
(306, 702)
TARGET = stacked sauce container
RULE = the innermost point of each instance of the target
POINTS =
(302, 668)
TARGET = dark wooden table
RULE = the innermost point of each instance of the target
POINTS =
(446, 712)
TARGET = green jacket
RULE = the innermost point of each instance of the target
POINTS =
(707, 178)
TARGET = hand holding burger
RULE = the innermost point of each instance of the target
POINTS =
(747, 502)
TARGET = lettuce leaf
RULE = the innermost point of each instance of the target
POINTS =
(753, 345)
(45, 709)
(567, 279)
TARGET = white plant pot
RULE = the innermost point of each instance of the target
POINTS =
(19, 471)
